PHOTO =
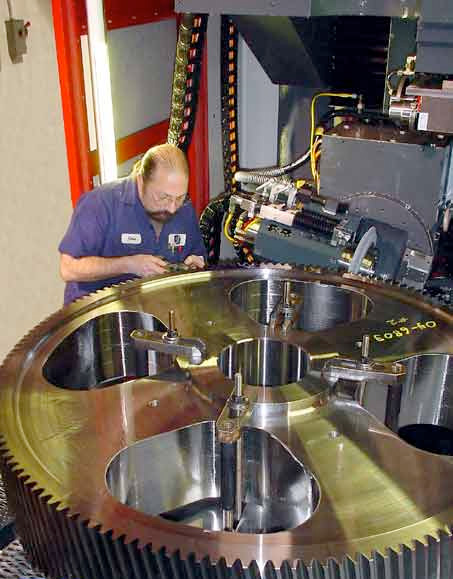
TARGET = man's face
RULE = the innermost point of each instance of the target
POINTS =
(163, 195)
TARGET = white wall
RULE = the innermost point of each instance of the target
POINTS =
(35, 202)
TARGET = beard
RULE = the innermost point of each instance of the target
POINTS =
(160, 216)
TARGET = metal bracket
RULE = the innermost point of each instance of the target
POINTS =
(362, 371)
(193, 349)
(229, 425)
(286, 311)
(235, 412)
(170, 342)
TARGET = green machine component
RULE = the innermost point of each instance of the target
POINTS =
(279, 243)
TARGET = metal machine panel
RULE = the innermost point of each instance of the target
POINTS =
(438, 11)
(153, 47)
(289, 245)
(291, 50)
(394, 8)
(305, 8)
(392, 176)
(435, 47)
(274, 8)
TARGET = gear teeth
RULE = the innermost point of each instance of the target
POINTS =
(316, 571)
(378, 564)
(348, 569)
(61, 545)
(333, 569)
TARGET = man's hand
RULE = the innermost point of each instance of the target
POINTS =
(195, 261)
(144, 265)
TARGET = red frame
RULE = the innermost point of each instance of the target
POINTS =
(119, 14)
(198, 152)
(69, 24)
(133, 145)
(69, 57)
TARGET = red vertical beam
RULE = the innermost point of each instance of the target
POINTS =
(69, 56)
(198, 152)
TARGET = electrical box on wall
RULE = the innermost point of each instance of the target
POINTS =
(16, 33)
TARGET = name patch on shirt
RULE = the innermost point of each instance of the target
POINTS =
(176, 240)
(131, 238)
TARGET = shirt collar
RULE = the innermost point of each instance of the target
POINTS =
(129, 194)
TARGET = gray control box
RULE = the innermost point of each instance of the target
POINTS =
(16, 34)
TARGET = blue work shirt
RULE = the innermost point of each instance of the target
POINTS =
(110, 221)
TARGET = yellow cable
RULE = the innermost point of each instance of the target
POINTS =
(344, 95)
(313, 145)
(313, 152)
(226, 228)
(250, 223)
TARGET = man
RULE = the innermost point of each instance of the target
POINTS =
(132, 227)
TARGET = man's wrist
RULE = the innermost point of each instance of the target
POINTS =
(124, 265)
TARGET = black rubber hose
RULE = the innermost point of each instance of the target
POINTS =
(275, 171)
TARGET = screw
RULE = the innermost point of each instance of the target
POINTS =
(172, 331)
(238, 384)
(154, 403)
(286, 294)
(365, 346)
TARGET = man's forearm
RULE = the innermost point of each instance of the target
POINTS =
(92, 268)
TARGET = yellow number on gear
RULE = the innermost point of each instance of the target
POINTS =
(378, 338)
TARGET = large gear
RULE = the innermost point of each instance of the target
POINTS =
(112, 473)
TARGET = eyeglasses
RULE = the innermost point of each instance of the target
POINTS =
(165, 198)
